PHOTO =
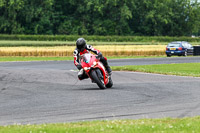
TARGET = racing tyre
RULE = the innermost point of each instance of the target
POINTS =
(110, 83)
(98, 80)
(168, 55)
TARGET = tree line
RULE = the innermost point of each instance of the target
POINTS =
(100, 17)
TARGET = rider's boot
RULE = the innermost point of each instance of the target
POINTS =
(105, 63)
(108, 69)
(82, 75)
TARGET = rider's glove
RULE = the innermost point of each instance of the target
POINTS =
(79, 67)
(99, 55)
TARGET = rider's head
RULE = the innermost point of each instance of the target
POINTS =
(81, 44)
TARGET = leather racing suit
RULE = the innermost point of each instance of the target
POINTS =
(77, 54)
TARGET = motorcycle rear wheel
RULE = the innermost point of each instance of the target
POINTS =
(97, 79)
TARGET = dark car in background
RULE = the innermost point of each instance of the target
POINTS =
(180, 48)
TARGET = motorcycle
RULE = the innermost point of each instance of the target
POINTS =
(96, 71)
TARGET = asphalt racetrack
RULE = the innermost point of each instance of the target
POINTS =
(49, 92)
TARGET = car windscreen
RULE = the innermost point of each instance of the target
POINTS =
(174, 45)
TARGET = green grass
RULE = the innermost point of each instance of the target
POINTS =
(133, 57)
(5, 59)
(183, 69)
(8, 43)
(166, 125)
(19, 58)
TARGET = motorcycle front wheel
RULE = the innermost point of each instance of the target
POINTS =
(110, 83)
(97, 79)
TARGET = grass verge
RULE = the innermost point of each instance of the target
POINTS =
(15, 43)
(20, 58)
(166, 125)
(8, 43)
(14, 58)
(183, 69)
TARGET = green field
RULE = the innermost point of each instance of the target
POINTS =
(165, 125)
(10, 58)
(19, 58)
(17, 43)
(8, 43)
(182, 69)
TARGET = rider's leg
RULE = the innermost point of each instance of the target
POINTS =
(105, 63)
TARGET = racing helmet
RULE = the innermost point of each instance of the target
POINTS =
(81, 44)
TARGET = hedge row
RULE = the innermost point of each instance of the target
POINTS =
(98, 38)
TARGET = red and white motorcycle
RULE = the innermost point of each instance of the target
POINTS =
(96, 71)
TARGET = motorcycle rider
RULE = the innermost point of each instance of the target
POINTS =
(82, 48)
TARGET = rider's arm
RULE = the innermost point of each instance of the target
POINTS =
(90, 48)
(76, 59)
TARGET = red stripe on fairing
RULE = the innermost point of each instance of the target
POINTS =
(85, 51)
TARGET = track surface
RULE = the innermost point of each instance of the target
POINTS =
(49, 92)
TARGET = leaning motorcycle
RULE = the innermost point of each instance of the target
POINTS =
(96, 71)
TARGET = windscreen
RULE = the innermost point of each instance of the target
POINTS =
(86, 57)
(174, 45)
